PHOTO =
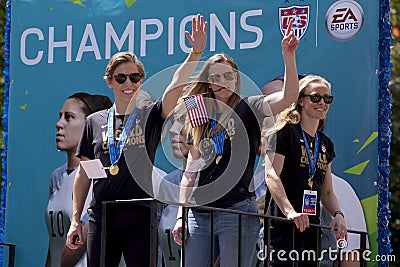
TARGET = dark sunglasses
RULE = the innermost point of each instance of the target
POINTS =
(216, 78)
(121, 77)
(315, 98)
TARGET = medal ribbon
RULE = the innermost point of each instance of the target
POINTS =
(115, 154)
(218, 140)
(312, 165)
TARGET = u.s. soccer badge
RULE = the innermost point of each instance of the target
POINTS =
(300, 16)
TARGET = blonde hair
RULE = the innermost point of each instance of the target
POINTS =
(200, 85)
(291, 115)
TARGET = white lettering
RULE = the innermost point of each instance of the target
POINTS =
(331, 254)
(250, 28)
(119, 42)
(91, 48)
(294, 255)
(182, 37)
(171, 36)
(149, 36)
(311, 255)
(216, 24)
(22, 50)
(31, 53)
(53, 44)
(281, 255)
(366, 254)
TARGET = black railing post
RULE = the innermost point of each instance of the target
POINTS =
(153, 234)
(317, 253)
(11, 253)
(240, 241)
(184, 216)
(212, 237)
(103, 234)
(363, 247)
(267, 244)
(293, 237)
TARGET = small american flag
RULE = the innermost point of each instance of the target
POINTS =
(196, 110)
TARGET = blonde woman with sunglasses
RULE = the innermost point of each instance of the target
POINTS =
(221, 160)
(124, 139)
(298, 174)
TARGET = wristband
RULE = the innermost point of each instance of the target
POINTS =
(338, 212)
(194, 53)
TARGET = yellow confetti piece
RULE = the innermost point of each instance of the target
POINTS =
(371, 138)
(23, 107)
(26, 92)
(129, 3)
(358, 169)
(356, 140)
(77, 2)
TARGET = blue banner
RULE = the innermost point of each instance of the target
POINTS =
(61, 47)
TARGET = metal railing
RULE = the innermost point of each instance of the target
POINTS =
(153, 226)
(267, 230)
(267, 238)
(11, 253)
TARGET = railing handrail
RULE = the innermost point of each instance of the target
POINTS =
(154, 224)
(225, 210)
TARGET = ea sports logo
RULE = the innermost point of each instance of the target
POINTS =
(344, 20)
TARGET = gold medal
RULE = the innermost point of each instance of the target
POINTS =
(310, 182)
(114, 169)
(218, 159)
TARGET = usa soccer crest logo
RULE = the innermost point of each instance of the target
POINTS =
(300, 16)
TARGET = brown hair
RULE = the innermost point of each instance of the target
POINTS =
(123, 57)
(200, 85)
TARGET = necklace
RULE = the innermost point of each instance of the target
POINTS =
(310, 140)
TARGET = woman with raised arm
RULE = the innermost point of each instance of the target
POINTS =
(125, 139)
(221, 161)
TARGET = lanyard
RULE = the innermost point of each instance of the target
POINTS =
(115, 154)
(312, 164)
(218, 140)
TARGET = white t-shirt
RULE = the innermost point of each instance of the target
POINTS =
(59, 213)
(169, 193)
